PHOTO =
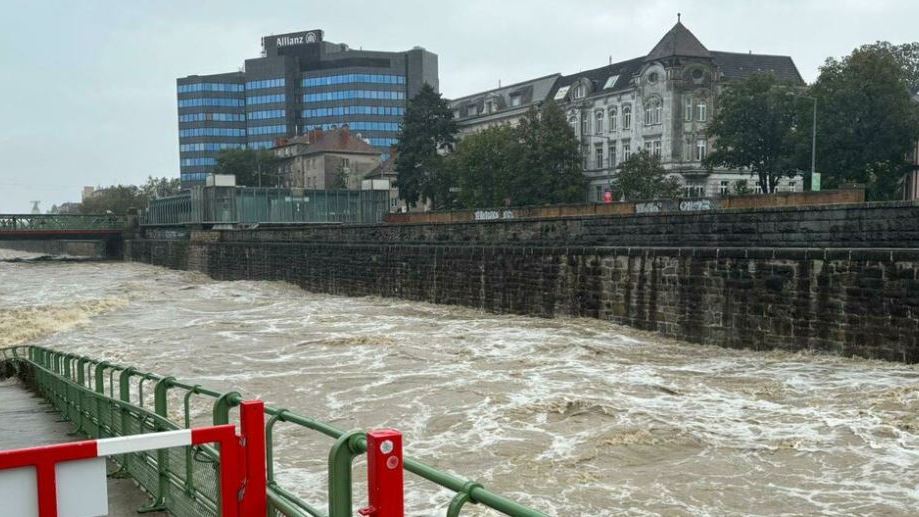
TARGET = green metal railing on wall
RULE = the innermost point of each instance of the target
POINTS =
(42, 222)
(105, 400)
(250, 205)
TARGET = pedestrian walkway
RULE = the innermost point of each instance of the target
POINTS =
(26, 420)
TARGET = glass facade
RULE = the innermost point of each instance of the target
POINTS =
(390, 111)
(199, 161)
(265, 99)
(265, 83)
(212, 131)
(261, 144)
(266, 130)
(220, 117)
(331, 80)
(261, 115)
(342, 95)
(358, 126)
(209, 87)
(212, 101)
(208, 146)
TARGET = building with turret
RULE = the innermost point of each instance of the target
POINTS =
(661, 102)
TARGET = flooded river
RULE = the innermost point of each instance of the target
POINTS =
(573, 417)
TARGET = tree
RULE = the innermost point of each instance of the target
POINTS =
(116, 199)
(867, 121)
(342, 177)
(550, 166)
(906, 56)
(428, 129)
(252, 168)
(756, 127)
(160, 187)
(484, 166)
(642, 177)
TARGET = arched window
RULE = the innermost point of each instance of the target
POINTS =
(598, 128)
(613, 118)
(626, 117)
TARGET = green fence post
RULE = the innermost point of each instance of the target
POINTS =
(81, 365)
(100, 378)
(160, 392)
(124, 394)
(340, 458)
(223, 405)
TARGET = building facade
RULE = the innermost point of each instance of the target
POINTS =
(503, 105)
(320, 160)
(661, 102)
(300, 83)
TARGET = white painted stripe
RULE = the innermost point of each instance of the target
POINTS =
(143, 442)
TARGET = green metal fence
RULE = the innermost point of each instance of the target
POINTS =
(105, 400)
(40, 222)
(250, 205)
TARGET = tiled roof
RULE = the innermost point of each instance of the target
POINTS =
(333, 140)
(740, 66)
(678, 41)
(598, 76)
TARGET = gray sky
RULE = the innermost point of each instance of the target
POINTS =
(87, 95)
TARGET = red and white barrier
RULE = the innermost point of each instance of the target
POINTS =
(384, 474)
(69, 479)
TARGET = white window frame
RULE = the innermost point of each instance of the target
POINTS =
(613, 119)
(626, 118)
(598, 129)
(701, 149)
(702, 111)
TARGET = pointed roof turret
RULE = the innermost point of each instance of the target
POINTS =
(678, 42)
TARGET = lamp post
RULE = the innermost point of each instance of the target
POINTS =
(815, 177)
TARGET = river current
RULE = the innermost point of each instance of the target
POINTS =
(574, 417)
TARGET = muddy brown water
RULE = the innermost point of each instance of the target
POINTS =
(572, 417)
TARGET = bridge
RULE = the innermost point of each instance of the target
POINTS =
(97, 235)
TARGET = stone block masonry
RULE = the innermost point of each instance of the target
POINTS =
(765, 290)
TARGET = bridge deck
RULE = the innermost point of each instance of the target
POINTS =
(26, 421)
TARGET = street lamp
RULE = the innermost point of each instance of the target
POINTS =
(815, 177)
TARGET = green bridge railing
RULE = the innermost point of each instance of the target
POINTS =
(105, 400)
(39, 222)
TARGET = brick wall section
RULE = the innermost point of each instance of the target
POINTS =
(845, 297)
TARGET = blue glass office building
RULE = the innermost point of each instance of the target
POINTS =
(300, 83)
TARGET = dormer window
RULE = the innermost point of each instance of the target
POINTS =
(652, 77)
(490, 107)
(516, 100)
(472, 110)
(579, 92)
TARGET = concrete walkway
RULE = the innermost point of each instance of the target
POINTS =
(26, 421)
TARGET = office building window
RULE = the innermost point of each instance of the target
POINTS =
(339, 111)
(211, 131)
(701, 146)
(598, 154)
(266, 83)
(383, 142)
(353, 94)
(266, 130)
(330, 80)
(222, 117)
(208, 101)
(359, 126)
(209, 146)
(261, 144)
(194, 176)
(626, 117)
(210, 87)
(599, 129)
(189, 162)
(265, 99)
(262, 115)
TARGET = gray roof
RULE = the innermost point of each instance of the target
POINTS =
(532, 91)
(740, 66)
(678, 41)
(598, 76)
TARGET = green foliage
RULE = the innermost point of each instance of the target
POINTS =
(741, 188)
(484, 166)
(427, 130)
(756, 127)
(341, 178)
(252, 168)
(537, 162)
(118, 199)
(641, 177)
(906, 56)
(867, 121)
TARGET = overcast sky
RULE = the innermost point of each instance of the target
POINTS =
(87, 95)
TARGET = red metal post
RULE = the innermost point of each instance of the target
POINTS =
(385, 474)
(252, 429)
(231, 474)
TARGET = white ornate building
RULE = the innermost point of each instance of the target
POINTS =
(661, 102)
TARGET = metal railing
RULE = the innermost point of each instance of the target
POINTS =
(87, 392)
(251, 205)
(46, 222)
